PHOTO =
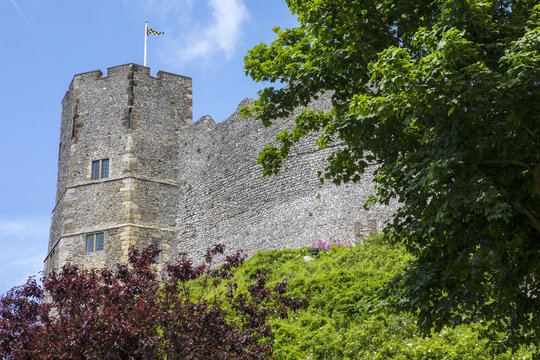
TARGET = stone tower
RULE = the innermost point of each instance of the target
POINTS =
(118, 169)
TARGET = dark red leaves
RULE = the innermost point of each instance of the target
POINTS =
(128, 313)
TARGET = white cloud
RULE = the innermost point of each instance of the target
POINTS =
(224, 33)
(220, 37)
(195, 30)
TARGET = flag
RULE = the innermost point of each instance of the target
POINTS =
(153, 32)
(147, 32)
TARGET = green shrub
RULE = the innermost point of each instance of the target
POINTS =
(339, 321)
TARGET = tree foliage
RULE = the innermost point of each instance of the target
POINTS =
(132, 313)
(443, 95)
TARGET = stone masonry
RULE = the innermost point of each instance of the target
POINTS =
(188, 184)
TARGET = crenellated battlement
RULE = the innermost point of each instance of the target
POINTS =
(134, 74)
(119, 70)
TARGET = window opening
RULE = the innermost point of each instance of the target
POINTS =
(74, 121)
(157, 242)
(130, 119)
(95, 170)
(105, 168)
(53, 259)
(100, 169)
(95, 242)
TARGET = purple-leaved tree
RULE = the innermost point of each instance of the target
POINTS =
(133, 312)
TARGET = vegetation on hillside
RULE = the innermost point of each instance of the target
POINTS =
(350, 313)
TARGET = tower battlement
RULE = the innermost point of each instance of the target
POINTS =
(133, 75)
(119, 70)
(133, 168)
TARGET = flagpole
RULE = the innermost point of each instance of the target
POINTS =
(145, 36)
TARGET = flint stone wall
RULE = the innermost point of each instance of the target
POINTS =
(225, 199)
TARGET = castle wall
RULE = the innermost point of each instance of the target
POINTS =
(189, 185)
(227, 200)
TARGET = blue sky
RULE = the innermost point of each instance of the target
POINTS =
(45, 43)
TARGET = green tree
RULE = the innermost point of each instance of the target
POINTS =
(445, 97)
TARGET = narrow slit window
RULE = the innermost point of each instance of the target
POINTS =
(74, 121)
(130, 119)
(100, 169)
(95, 242)
(157, 243)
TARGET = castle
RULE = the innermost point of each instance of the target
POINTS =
(133, 168)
